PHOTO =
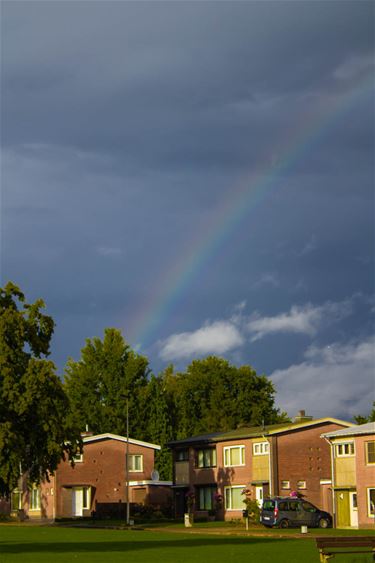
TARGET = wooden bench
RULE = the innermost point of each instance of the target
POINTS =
(331, 546)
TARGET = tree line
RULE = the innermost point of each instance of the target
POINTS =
(42, 416)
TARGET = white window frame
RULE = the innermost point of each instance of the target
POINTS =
(261, 448)
(242, 455)
(202, 457)
(78, 458)
(369, 514)
(285, 485)
(301, 484)
(34, 490)
(340, 445)
(225, 497)
(131, 465)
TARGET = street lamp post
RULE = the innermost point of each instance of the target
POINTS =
(127, 465)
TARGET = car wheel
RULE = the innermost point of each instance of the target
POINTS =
(323, 523)
(284, 524)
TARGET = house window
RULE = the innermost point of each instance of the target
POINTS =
(301, 484)
(206, 457)
(285, 484)
(234, 498)
(86, 497)
(182, 455)
(136, 462)
(370, 452)
(35, 498)
(261, 448)
(16, 500)
(371, 502)
(234, 455)
(345, 449)
(205, 497)
(78, 458)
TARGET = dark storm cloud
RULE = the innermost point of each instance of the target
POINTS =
(135, 77)
(125, 125)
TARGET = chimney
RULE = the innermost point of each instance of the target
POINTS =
(302, 417)
(87, 432)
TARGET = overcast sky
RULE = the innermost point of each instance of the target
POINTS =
(201, 176)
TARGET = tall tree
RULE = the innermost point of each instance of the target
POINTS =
(159, 422)
(108, 375)
(34, 434)
(214, 395)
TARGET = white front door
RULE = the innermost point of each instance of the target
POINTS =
(77, 501)
(353, 509)
(259, 495)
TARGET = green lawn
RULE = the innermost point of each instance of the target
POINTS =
(40, 544)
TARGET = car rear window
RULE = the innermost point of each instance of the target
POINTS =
(308, 507)
(268, 505)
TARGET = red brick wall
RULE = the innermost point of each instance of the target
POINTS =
(159, 495)
(221, 475)
(103, 468)
(365, 480)
(298, 455)
(304, 455)
(4, 506)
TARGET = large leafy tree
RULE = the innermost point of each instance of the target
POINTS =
(99, 385)
(214, 395)
(34, 435)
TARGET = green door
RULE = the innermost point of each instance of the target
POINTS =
(342, 509)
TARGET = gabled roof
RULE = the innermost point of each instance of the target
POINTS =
(88, 439)
(257, 431)
(356, 430)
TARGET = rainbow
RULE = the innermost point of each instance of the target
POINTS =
(249, 193)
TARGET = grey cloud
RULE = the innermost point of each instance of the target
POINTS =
(128, 125)
(335, 380)
(305, 319)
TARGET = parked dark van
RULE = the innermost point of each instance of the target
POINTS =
(293, 512)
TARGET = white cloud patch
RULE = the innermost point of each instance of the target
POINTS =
(310, 246)
(108, 250)
(269, 279)
(305, 319)
(217, 337)
(336, 380)
(354, 66)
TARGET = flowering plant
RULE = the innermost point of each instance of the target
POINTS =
(296, 494)
(252, 506)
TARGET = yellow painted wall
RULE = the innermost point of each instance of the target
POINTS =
(345, 472)
(182, 472)
(260, 464)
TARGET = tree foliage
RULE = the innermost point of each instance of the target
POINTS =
(359, 419)
(213, 395)
(108, 375)
(34, 436)
(38, 414)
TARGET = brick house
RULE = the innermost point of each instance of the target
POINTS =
(97, 483)
(353, 475)
(271, 460)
